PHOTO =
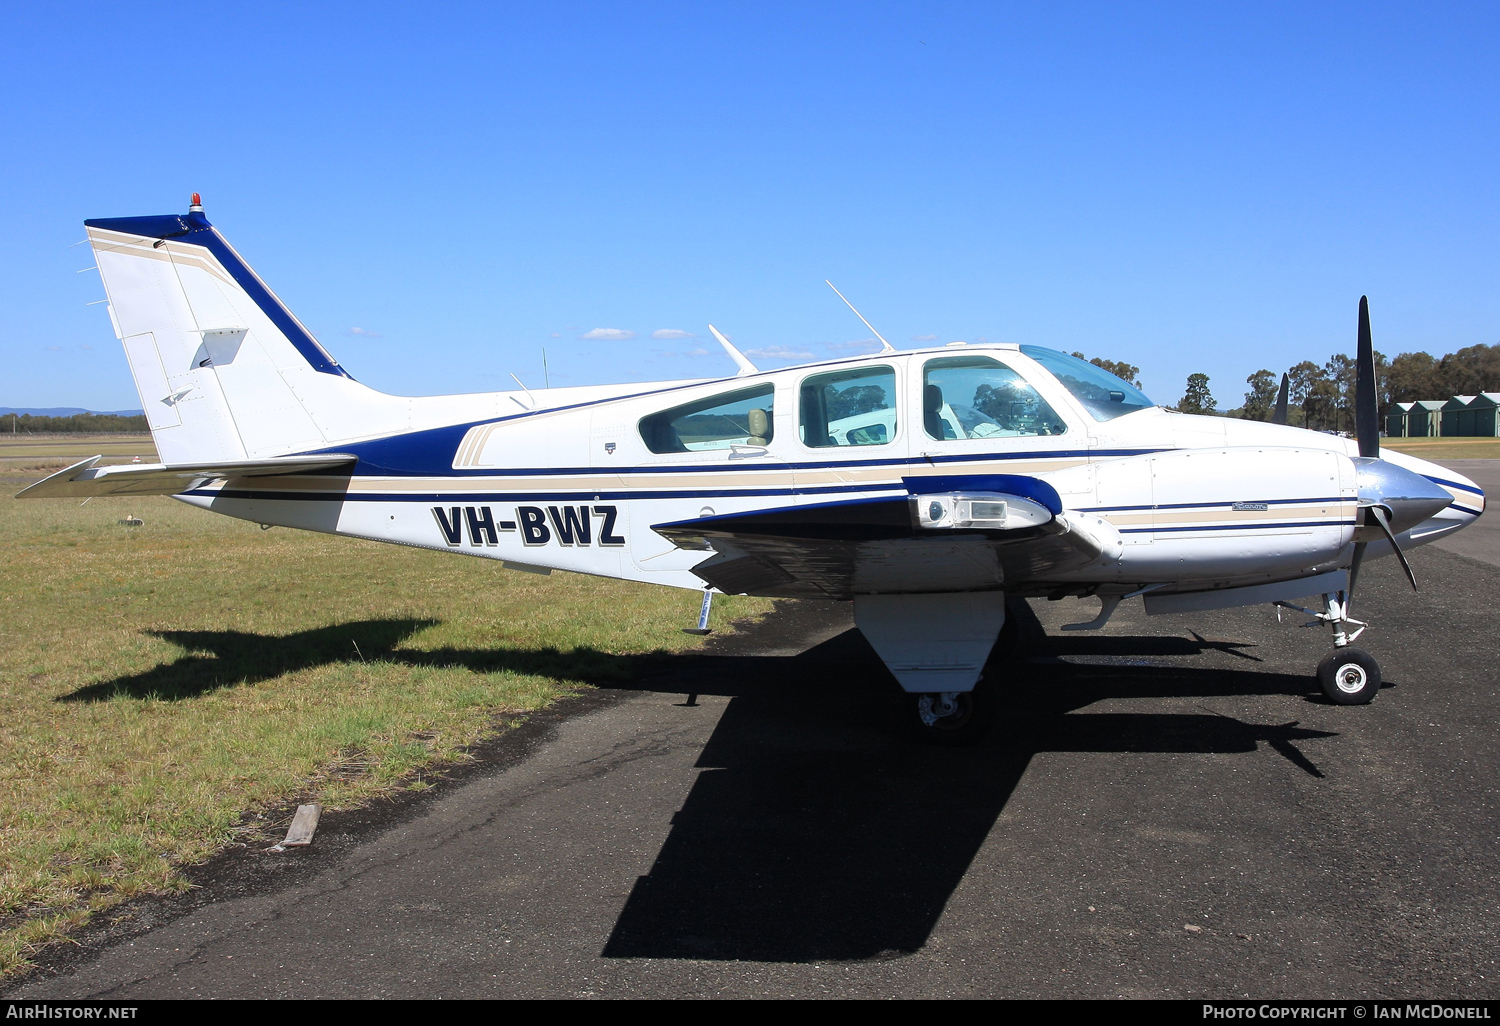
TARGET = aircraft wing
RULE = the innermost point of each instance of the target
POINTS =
(943, 534)
(82, 479)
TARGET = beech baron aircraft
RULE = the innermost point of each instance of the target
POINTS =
(923, 485)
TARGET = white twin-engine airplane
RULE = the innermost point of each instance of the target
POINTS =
(922, 485)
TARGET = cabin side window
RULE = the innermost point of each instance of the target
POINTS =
(721, 421)
(977, 397)
(852, 407)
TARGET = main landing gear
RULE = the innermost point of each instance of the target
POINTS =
(1348, 675)
(951, 718)
(954, 717)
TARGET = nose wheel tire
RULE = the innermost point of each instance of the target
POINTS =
(1349, 676)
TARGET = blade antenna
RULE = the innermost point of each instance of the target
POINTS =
(744, 365)
(888, 347)
(1279, 417)
(527, 391)
(1366, 402)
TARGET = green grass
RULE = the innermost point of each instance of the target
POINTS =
(161, 684)
(1446, 448)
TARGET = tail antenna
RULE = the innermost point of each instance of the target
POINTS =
(888, 347)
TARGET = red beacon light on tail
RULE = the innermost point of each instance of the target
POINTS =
(196, 206)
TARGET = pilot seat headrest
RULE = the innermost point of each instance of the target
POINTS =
(760, 427)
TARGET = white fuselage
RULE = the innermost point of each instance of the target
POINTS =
(1185, 501)
(924, 485)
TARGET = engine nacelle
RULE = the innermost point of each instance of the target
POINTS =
(1240, 512)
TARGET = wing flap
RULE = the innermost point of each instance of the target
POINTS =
(86, 478)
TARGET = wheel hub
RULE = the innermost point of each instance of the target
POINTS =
(934, 708)
(1350, 678)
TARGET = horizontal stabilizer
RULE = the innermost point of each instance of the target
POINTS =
(84, 479)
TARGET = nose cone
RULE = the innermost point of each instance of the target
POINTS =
(1409, 496)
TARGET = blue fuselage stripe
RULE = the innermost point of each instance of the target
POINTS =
(1472, 489)
(531, 496)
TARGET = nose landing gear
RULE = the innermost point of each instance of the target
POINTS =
(1348, 675)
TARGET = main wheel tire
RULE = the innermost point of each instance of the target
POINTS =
(965, 725)
(1349, 676)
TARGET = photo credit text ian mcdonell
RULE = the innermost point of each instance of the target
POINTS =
(1345, 1011)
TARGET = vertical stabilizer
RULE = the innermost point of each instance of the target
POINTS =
(224, 370)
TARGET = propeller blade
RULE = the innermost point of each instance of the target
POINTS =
(1359, 557)
(1279, 416)
(1366, 402)
(1385, 525)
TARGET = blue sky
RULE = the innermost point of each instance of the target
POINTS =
(441, 191)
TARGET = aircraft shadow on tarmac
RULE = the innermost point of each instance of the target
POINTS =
(818, 830)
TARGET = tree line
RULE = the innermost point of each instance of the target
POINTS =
(1322, 397)
(79, 423)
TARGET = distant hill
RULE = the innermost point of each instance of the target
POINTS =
(65, 411)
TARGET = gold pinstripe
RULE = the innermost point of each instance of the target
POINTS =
(143, 248)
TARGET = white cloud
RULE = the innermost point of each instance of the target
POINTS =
(778, 353)
(85, 347)
(555, 334)
(924, 338)
(608, 335)
(54, 349)
(672, 333)
(859, 345)
(696, 352)
(361, 332)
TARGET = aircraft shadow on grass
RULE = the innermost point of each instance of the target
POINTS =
(818, 830)
(220, 659)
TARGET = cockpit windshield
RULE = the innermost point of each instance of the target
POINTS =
(1101, 393)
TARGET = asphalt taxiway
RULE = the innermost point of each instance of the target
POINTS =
(1166, 808)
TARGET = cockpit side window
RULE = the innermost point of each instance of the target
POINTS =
(717, 422)
(851, 407)
(977, 397)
